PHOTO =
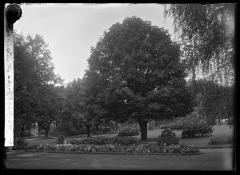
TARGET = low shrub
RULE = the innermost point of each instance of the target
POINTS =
(24, 134)
(102, 141)
(125, 140)
(168, 133)
(100, 132)
(128, 132)
(197, 131)
(54, 133)
(196, 125)
(176, 126)
(167, 137)
(173, 126)
(188, 133)
(106, 129)
(77, 132)
(165, 127)
(60, 139)
(221, 139)
(19, 144)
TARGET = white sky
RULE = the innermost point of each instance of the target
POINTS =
(71, 29)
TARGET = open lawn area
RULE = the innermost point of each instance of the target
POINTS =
(211, 159)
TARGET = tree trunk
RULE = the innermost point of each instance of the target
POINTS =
(96, 126)
(116, 126)
(46, 133)
(193, 73)
(143, 129)
(88, 130)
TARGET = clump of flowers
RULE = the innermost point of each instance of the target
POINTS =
(134, 148)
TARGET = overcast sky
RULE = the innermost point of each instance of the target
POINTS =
(71, 29)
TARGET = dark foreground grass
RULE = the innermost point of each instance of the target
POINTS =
(211, 159)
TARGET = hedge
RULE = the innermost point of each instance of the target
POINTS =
(101, 141)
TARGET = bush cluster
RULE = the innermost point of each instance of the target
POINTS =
(60, 139)
(102, 141)
(221, 139)
(128, 132)
(196, 125)
(167, 137)
(24, 134)
(19, 144)
(174, 126)
(196, 131)
(134, 148)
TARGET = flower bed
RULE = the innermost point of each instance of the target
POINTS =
(114, 148)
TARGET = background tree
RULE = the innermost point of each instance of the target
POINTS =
(74, 103)
(207, 36)
(140, 68)
(33, 72)
(82, 107)
(94, 101)
(48, 107)
(214, 100)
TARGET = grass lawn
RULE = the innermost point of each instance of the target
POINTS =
(50, 141)
(212, 159)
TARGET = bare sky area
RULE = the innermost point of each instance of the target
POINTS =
(72, 29)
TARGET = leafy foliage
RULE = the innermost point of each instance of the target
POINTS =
(116, 148)
(215, 101)
(19, 144)
(137, 68)
(35, 96)
(196, 125)
(221, 139)
(101, 141)
(207, 36)
(60, 139)
(128, 132)
(167, 137)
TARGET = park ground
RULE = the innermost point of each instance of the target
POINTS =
(201, 142)
(212, 157)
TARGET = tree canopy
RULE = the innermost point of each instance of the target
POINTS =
(207, 36)
(140, 73)
(35, 98)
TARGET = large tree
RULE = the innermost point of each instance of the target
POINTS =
(140, 68)
(206, 33)
(33, 75)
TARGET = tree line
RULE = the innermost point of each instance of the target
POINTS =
(135, 72)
